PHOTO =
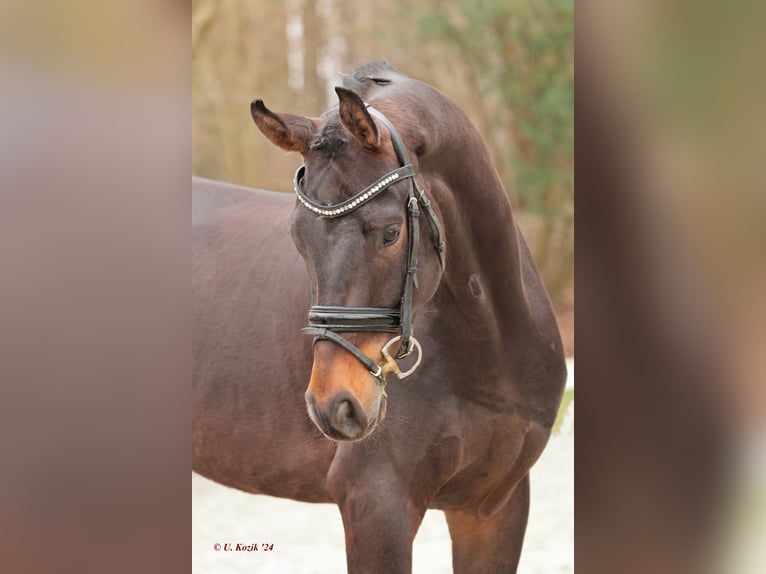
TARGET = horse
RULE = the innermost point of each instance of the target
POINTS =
(430, 369)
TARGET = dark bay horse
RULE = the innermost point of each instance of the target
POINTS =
(406, 245)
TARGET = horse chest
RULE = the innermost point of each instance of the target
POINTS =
(496, 454)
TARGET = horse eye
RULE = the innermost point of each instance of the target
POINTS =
(390, 235)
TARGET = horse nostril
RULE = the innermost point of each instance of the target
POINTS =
(343, 420)
(343, 414)
(347, 417)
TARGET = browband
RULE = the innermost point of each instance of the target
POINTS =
(367, 194)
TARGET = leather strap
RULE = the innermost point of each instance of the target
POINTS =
(324, 333)
(410, 279)
(433, 223)
(355, 319)
(413, 233)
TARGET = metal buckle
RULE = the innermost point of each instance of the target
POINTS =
(390, 364)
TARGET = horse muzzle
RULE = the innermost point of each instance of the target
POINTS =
(344, 399)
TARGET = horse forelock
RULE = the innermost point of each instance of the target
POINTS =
(331, 138)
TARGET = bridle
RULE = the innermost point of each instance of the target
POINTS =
(325, 322)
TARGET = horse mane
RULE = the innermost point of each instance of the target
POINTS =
(367, 76)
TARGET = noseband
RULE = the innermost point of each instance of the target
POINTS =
(325, 322)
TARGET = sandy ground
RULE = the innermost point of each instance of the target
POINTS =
(308, 538)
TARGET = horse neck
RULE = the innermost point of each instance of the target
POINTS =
(483, 273)
(484, 265)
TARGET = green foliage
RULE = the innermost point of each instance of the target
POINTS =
(521, 51)
(566, 402)
(519, 54)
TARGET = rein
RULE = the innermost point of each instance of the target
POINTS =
(325, 322)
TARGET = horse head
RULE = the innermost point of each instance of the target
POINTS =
(372, 266)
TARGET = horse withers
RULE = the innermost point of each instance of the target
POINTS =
(430, 369)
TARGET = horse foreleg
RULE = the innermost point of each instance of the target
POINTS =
(380, 524)
(490, 544)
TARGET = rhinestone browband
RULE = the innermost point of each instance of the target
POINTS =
(355, 201)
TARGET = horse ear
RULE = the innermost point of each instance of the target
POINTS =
(356, 118)
(289, 132)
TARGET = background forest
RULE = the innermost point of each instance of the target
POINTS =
(508, 63)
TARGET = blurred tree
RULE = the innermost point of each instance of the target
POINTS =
(239, 53)
(518, 55)
(313, 93)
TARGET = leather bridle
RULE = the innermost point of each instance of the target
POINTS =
(325, 322)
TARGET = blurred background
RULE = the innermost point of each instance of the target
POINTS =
(671, 282)
(508, 64)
